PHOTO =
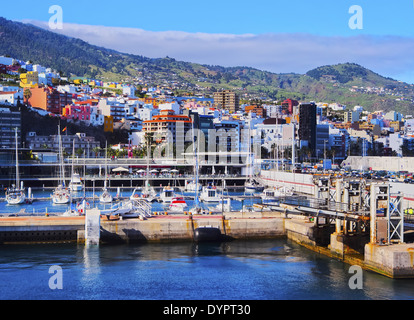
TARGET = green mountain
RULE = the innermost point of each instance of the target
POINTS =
(347, 83)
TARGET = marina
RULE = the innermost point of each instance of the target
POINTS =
(360, 223)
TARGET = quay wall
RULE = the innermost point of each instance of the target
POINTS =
(394, 261)
(174, 229)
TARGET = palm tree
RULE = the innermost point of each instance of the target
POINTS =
(96, 150)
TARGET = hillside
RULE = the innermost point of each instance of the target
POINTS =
(340, 83)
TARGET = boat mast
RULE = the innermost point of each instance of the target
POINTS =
(106, 164)
(195, 151)
(73, 157)
(61, 172)
(17, 163)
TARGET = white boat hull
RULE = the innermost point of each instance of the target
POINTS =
(60, 196)
(57, 200)
(16, 200)
(106, 198)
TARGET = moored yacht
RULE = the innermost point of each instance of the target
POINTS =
(275, 193)
(209, 194)
(167, 194)
(61, 195)
(16, 194)
(178, 204)
(75, 184)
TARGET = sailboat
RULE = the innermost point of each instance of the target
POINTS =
(75, 184)
(16, 194)
(251, 186)
(197, 208)
(61, 194)
(191, 186)
(106, 197)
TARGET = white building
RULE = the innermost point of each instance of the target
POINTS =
(129, 91)
(170, 106)
(274, 133)
(358, 108)
(11, 97)
(147, 112)
(8, 88)
(273, 111)
(97, 118)
(393, 141)
(69, 88)
(337, 107)
(38, 68)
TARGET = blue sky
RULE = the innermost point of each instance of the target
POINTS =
(322, 17)
(274, 35)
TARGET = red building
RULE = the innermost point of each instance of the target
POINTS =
(77, 112)
(287, 106)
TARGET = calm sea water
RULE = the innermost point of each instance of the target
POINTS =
(41, 207)
(239, 270)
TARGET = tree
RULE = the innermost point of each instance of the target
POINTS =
(27, 94)
(79, 152)
(96, 150)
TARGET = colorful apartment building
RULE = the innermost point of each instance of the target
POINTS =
(29, 79)
(76, 112)
(288, 105)
(227, 100)
(49, 99)
(258, 110)
(167, 122)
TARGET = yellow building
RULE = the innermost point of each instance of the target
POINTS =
(108, 124)
(29, 79)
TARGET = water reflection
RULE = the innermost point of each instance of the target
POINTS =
(257, 270)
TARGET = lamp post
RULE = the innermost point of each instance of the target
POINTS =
(324, 155)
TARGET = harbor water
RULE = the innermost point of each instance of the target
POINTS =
(238, 270)
(40, 207)
(275, 269)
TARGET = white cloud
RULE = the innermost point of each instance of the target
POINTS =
(389, 56)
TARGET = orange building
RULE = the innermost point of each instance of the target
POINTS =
(49, 99)
(260, 111)
(168, 123)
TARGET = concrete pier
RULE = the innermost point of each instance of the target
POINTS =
(391, 260)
